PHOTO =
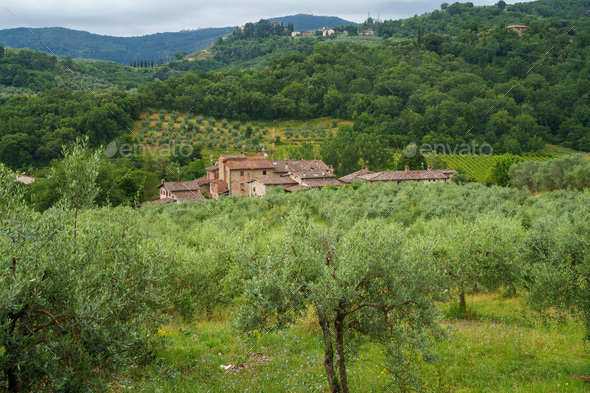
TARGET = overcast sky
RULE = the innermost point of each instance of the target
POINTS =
(139, 17)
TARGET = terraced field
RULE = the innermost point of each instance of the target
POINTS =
(161, 128)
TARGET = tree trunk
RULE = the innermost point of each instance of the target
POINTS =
(462, 303)
(339, 338)
(328, 352)
(10, 351)
(209, 312)
(12, 377)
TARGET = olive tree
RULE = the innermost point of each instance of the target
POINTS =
(478, 255)
(75, 309)
(558, 258)
(369, 283)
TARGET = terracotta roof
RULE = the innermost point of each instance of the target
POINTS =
(448, 172)
(180, 186)
(403, 176)
(183, 196)
(354, 175)
(304, 168)
(250, 164)
(276, 180)
(203, 181)
(515, 26)
(368, 176)
(212, 168)
(322, 182)
(231, 156)
(296, 187)
(159, 201)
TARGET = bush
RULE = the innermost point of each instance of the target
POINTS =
(76, 310)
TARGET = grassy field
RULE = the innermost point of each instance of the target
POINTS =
(503, 347)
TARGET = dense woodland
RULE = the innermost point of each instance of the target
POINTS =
(514, 93)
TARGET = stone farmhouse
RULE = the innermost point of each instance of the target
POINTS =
(254, 176)
(241, 175)
(178, 191)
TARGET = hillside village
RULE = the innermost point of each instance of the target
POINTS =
(253, 176)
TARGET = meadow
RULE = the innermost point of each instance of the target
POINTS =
(501, 347)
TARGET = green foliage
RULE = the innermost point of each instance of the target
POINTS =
(569, 172)
(80, 169)
(350, 151)
(351, 279)
(500, 171)
(76, 306)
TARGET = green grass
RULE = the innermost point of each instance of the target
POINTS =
(502, 347)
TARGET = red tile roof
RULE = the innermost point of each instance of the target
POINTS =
(180, 186)
(412, 175)
(276, 180)
(354, 175)
(296, 187)
(212, 168)
(183, 196)
(250, 164)
(304, 168)
(322, 182)
(203, 181)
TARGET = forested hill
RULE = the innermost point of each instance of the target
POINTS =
(85, 45)
(451, 19)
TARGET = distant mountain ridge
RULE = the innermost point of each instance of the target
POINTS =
(304, 22)
(84, 45)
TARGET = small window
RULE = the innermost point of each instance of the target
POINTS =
(264, 172)
(242, 188)
(241, 173)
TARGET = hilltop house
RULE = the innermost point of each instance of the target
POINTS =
(422, 176)
(520, 29)
(326, 31)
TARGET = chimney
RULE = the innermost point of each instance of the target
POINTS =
(428, 167)
(163, 180)
(407, 169)
(302, 158)
(366, 168)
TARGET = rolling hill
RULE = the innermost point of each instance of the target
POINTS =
(84, 45)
